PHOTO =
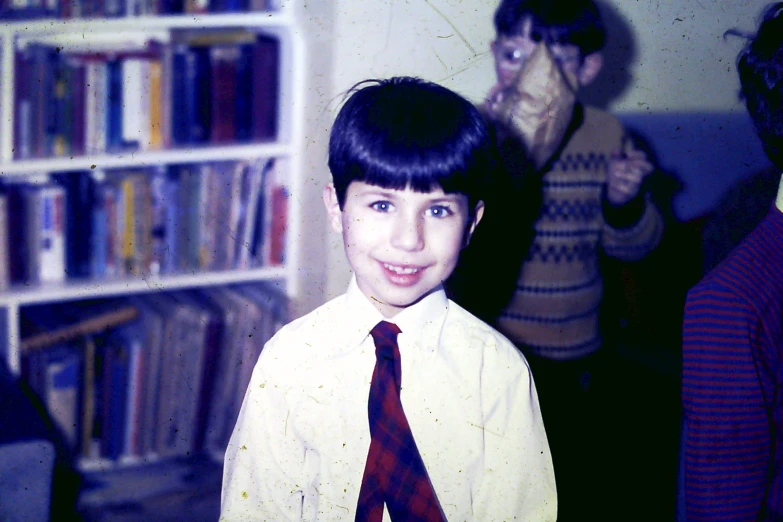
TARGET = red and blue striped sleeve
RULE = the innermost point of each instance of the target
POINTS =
(728, 444)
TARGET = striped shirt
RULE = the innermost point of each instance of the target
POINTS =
(731, 383)
(554, 311)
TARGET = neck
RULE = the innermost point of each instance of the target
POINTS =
(779, 199)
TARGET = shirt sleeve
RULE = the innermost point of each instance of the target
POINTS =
(728, 444)
(518, 481)
(264, 458)
(631, 243)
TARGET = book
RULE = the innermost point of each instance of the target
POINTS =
(156, 100)
(114, 105)
(266, 78)
(218, 423)
(78, 101)
(224, 60)
(19, 254)
(152, 325)
(135, 104)
(5, 247)
(275, 254)
(23, 67)
(179, 394)
(63, 382)
(79, 190)
(182, 94)
(96, 106)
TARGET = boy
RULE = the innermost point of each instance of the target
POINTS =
(732, 337)
(590, 200)
(408, 160)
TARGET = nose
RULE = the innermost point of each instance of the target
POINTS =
(408, 233)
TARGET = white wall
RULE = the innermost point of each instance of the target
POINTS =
(662, 56)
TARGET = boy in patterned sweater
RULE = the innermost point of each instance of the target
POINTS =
(591, 200)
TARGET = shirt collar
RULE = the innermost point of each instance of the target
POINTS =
(420, 323)
(779, 199)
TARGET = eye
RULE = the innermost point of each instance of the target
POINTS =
(381, 206)
(512, 55)
(439, 211)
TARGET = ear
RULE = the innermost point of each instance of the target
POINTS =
(478, 213)
(333, 211)
(591, 66)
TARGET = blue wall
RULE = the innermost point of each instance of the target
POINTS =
(704, 153)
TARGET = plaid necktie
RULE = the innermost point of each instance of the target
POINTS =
(394, 472)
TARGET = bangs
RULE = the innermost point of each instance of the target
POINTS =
(417, 136)
(399, 158)
(572, 22)
(585, 33)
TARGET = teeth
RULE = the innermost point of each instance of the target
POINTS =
(401, 270)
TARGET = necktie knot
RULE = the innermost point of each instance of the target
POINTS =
(384, 334)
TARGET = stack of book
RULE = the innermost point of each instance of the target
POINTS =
(200, 88)
(144, 221)
(152, 376)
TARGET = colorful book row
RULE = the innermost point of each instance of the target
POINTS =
(120, 223)
(79, 9)
(200, 88)
(168, 381)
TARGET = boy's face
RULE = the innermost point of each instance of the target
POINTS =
(400, 244)
(510, 53)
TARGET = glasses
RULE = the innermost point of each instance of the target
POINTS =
(513, 54)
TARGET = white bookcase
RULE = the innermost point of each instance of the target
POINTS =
(289, 144)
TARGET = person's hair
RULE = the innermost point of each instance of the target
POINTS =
(760, 67)
(565, 22)
(406, 132)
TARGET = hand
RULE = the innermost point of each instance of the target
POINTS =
(627, 170)
(492, 101)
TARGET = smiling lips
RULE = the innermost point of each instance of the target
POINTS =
(402, 275)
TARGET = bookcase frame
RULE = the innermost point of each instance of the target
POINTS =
(289, 146)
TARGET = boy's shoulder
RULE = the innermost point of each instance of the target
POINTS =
(599, 131)
(318, 324)
(595, 116)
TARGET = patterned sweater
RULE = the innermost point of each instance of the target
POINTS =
(554, 310)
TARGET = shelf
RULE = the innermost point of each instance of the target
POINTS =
(259, 19)
(99, 289)
(146, 158)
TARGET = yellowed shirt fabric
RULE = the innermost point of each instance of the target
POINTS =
(299, 448)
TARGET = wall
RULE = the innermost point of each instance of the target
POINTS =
(662, 57)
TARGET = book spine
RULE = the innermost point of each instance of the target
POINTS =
(62, 393)
(132, 120)
(78, 99)
(243, 101)
(52, 234)
(96, 107)
(201, 84)
(182, 95)
(155, 99)
(114, 106)
(266, 88)
(22, 121)
(224, 91)
(5, 277)
(128, 230)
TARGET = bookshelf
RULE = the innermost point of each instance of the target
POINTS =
(281, 148)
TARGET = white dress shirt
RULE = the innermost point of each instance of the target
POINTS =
(300, 444)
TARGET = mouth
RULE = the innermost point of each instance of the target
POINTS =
(402, 270)
(403, 276)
